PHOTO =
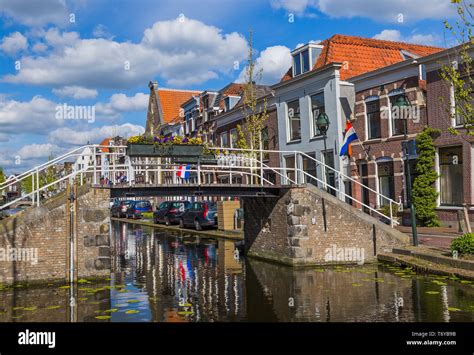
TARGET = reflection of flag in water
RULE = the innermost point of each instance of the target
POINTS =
(189, 269)
(349, 136)
(183, 171)
(182, 271)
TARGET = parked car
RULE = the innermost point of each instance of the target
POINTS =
(200, 215)
(119, 208)
(136, 208)
(169, 212)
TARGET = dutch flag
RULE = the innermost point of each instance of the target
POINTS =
(183, 171)
(349, 136)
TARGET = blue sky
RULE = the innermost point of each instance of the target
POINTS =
(103, 53)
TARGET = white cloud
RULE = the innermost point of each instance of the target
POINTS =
(35, 151)
(101, 31)
(35, 13)
(395, 35)
(203, 53)
(14, 43)
(39, 47)
(380, 11)
(75, 92)
(34, 116)
(68, 136)
(119, 103)
(274, 62)
(298, 7)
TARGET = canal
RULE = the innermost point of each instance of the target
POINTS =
(161, 277)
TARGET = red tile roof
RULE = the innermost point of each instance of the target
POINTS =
(171, 100)
(361, 55)
(106, 142)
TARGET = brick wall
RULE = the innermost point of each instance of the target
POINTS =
(46, 229)
(386, 146)
(291, 230)
(438, 117)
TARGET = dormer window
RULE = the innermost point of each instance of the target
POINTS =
(304, 58)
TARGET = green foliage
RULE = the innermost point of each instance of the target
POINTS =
(385, 209)
(460, 76)
(424, 193)
(464, 244)
(2, 176)
(255, 115)
(241, 141)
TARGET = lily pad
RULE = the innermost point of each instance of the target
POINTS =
(132, 311)
(103, 317)
(34, 308)
(112, 310)
(82, 299)
(83, 281)
(432, 292)
(356, 284)
(121, 305)
(53, 307)
(133, 301)
(185, 313)
(18, 308)
(453, 309)
(65, 287)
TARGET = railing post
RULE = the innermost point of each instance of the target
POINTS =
(37, 188)
(94, 180)
(33, 189)
(296, 168)
(391, 214)
(199, 172)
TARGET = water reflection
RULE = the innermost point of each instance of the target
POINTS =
(160, 277)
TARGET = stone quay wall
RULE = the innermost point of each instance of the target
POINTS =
(308, 226)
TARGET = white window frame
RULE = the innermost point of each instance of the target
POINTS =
(366, 118)
(311, 118)
(392, 93)
(230, 137)
(452, 108)
(222, 135)
(288, 125)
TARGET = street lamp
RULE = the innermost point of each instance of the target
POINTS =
(322, 124)
(401, 103)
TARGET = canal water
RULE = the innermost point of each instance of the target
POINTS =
(160, 277)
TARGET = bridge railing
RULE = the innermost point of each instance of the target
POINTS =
(109, 165)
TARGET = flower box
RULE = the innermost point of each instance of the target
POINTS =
(171, 150)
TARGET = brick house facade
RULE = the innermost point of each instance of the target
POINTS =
(454, 153)
(377, 157)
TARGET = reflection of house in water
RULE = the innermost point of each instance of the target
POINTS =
(188, 278)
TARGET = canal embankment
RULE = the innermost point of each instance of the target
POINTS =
(430, 260)
(210, 233)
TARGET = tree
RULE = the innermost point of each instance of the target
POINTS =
(241, 141)
(424, 193)
(2, 176)
(459, 75)
(255, 114)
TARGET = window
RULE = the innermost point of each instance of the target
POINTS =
(451, 178)
(363, 172)
(317, 107)
(386, 181)
(309, 166)
(265, 143)
(227, 104)
(290, 166)
(397, 117)
(301, 62)
(457, 119)
(372, 107)
(329, 174)
(294, 120)
(296, 65)
(224, 140)
(233, 138)
(305, 59)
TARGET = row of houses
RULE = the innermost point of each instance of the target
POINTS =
(349, 79)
